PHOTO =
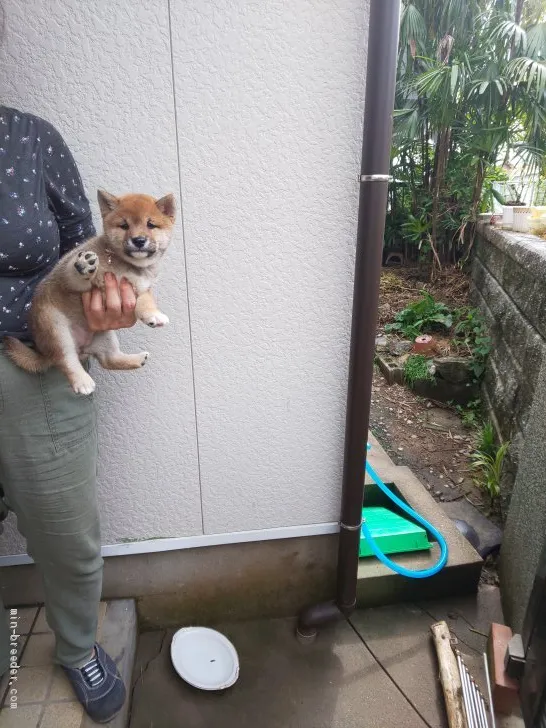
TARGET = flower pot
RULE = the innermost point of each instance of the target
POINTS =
(522, 216)
(507, 217)
(423, 344)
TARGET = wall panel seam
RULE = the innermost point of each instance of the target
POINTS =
(181, 196)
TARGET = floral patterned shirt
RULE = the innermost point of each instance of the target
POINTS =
(43, 211)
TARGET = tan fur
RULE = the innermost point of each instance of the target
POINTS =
(57, 320)
(26, 358)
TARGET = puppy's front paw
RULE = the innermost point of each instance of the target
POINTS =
(155, 319)
(86, 264)
(144, 355)
(83, 384)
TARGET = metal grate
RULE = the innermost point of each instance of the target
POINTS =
(478, 711)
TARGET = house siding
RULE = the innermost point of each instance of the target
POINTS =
(252, 114)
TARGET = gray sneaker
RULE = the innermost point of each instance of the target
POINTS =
(98, 686)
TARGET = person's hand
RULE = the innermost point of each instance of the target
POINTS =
(114, 310)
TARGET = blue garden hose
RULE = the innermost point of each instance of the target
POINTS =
(422, 573)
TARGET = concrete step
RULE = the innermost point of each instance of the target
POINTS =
(44, 696)
(378, 585)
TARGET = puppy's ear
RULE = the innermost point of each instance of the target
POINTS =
(167, 206)
(107, 202)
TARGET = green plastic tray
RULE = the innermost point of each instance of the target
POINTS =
(392, 533)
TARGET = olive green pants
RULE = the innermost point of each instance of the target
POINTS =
(48, 447)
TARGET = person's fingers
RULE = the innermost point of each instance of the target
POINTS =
(96, 305)
(128, 298)
(86, 300)
(93, 308)
(113, 309)
(113, 300)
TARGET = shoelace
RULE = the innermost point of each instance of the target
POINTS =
(93, 672)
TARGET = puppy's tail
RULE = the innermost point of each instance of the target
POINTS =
(25, 357)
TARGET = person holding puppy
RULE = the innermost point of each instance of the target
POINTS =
(48, 447)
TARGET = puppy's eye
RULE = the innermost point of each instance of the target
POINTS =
(151, 225)
(124, 226)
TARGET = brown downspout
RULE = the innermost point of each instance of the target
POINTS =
(376, 151)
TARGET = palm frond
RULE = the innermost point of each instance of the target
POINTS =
(536, 41)
(412, 25)
(532, 157)
(509, 33)
(430, 82)
(488, 139)
(530, 73)
(458, 14)
(496, 87)
(535, 121)
(407, 123)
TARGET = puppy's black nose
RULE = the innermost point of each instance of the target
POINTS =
(139, 242)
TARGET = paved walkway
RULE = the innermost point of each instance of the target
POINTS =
(377, 671)
(44, 697)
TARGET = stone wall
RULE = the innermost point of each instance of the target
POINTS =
(509, 274)
(525, 531)
(509, 286)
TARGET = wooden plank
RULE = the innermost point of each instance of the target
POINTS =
(449, 675)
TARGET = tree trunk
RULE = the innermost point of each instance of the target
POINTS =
(478, 187)
(426, 166)
(424, 152)
(476, 198)
(517, 19)
(440, 162)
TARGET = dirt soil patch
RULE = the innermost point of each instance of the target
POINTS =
(422, 434)
(401, 286)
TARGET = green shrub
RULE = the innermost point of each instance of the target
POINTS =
(487, 461)
(486, 440)
(471, 414)
(423, 315)
(472, 337)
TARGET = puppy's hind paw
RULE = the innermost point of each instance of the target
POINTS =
(86, 264)
(155, 320)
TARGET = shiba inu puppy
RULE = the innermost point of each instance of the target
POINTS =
(137, 231)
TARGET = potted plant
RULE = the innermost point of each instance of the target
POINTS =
(509, 205)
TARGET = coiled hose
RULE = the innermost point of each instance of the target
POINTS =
(421, 573)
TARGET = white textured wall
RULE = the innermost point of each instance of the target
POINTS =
(269, 113)
(261, 135)
(101, 72)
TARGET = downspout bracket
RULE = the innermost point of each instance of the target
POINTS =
(351, 528)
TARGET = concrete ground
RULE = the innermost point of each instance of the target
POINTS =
(376, 671)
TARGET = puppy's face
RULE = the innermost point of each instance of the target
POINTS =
(138, 227)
